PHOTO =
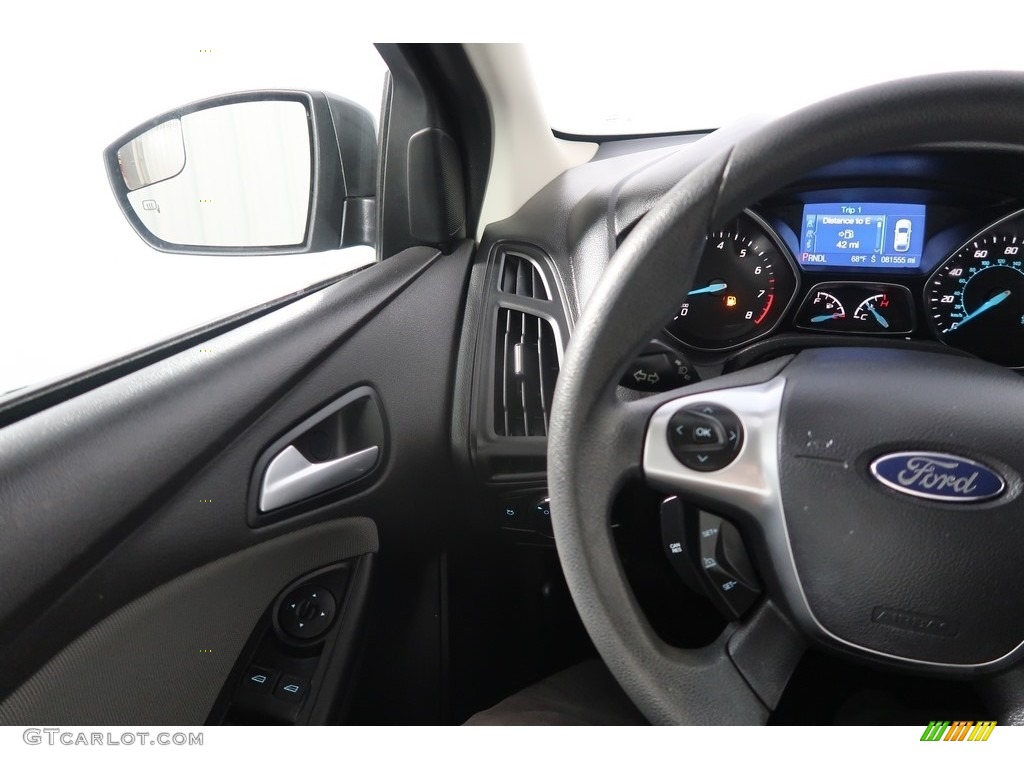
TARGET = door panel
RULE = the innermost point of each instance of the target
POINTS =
(163, 658)
(109, 495)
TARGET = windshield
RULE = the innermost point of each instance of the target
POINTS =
(761, 63)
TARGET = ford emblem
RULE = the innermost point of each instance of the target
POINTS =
(937, 476)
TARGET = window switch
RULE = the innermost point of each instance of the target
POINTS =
(291, 688)
(259, 678)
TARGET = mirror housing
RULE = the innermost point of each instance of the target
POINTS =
(252, 173)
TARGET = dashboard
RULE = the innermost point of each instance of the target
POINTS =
(881, 263)
(921, 249)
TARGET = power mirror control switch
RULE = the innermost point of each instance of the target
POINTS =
(306, 612)
(705, 437)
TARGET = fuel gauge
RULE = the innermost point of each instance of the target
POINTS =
(829, 308)
(877, 308)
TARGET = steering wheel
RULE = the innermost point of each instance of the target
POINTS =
(849, 563)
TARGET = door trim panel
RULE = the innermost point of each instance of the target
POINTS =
(163, 658)
(81, 476)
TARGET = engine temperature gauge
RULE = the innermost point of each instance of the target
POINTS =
(873, 308)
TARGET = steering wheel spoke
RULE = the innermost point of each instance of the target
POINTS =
(739, 677)
(720, 448)
(765, 649)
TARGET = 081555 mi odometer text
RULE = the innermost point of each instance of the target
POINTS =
(975, 299)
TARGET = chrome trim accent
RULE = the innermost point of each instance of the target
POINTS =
(938, 459)
(290, 477)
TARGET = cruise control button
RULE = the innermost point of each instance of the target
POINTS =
(675, 539)
(734, 596)
(725, 567)
(708, 553)
(710, 528)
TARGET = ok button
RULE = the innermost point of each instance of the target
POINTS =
(689, 430)
(704, 434)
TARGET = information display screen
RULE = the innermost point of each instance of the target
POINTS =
(871, 235)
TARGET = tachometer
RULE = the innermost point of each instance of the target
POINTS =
(975, 299)
(744, 285)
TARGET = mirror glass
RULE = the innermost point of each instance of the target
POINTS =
(156, 155)
(236, 175)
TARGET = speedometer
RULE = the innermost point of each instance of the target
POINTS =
(744, 285)
(975, 299)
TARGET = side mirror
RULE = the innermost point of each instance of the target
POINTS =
(261, 172)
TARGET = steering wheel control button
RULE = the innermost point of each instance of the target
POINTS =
(708, 554)
(689, 432)
(725, 566)
(291, 688)
(710, 529)
(306, 612)
(677, 543)
(731, 596)
(705, 437)
(259, 678)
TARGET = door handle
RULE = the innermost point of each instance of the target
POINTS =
(290, 477)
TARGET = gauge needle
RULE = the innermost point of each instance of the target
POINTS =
(881, 320)
(713, 288)
(997, 299)
(823, 318)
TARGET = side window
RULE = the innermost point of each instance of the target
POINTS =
(84, 280)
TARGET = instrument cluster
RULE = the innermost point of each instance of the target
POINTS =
(860, 266)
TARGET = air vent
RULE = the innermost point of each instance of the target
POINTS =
(525, 368)
(520, 276)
